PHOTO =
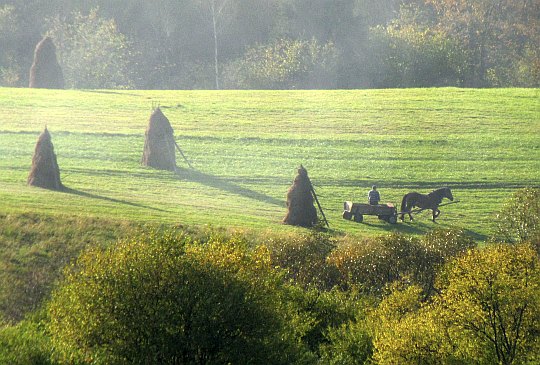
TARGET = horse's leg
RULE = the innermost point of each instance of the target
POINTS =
(410, 210)
(436, 213)
(406, 210)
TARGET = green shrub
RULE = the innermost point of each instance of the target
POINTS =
(487, 312)
(409, 56)
(304, 258)
(375, 263)
(24, 344)
(519, 218)
(284, 64)
(162, 299)
(349, 344)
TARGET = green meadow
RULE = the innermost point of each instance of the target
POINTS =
(245, 147)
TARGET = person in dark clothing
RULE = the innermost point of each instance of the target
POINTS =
(374, 196)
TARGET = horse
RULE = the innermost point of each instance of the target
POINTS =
(423, 201)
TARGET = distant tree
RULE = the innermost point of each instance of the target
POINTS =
(411, 52)
(215, 11)
(285, 64)
(92, 52)
(10, 69)
(501, 38)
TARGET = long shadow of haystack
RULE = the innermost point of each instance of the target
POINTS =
(111, 200)
(222, 184)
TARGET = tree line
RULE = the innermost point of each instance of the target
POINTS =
(276, 44)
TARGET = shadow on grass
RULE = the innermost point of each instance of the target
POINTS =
(107, 92)
(225, 185)
(111, 200)
(400, 227)
(418, 228)
(428, 186)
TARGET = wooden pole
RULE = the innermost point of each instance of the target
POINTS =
(318, 204)
(182, 153)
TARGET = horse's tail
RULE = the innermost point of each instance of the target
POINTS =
(404, 206)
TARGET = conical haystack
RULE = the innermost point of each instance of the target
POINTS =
(159, 145)
(301, 211)
(45, 172)
(45, 71)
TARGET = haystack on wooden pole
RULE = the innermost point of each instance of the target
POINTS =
(159, 145)
(45, 172)
(45, 71)
(301, 211)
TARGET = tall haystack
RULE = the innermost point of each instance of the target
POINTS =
(45, 71)
(301, 211)
(159, 145)
(45, 172)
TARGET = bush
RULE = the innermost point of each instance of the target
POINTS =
(304, 259)
(407, 332)
(24, 344)
(284, 64)
(163, 299)
(375, 263)
(412, 56)
(351, 343)
(519, 218)
(488, 312)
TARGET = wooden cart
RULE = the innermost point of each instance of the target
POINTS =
(356, 211)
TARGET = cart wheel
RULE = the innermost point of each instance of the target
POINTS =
(392, 219)
(347, 215)
(358, 218)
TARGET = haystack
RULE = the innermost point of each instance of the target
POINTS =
(301, 211)
(159, 145)
(45, 172)
(45, 71)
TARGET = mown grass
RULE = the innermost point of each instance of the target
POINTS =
(245, 147)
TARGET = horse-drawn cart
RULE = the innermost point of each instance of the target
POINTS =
(356, 211)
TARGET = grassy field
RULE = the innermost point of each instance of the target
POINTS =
(245, 147)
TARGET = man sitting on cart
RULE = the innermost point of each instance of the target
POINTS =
(373, 196)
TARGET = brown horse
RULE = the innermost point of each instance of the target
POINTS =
(422, 201)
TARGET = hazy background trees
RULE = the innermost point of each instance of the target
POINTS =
(276, 43)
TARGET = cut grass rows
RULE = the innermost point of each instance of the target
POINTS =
(245, 147)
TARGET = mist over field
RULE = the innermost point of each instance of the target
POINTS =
(276, 44)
